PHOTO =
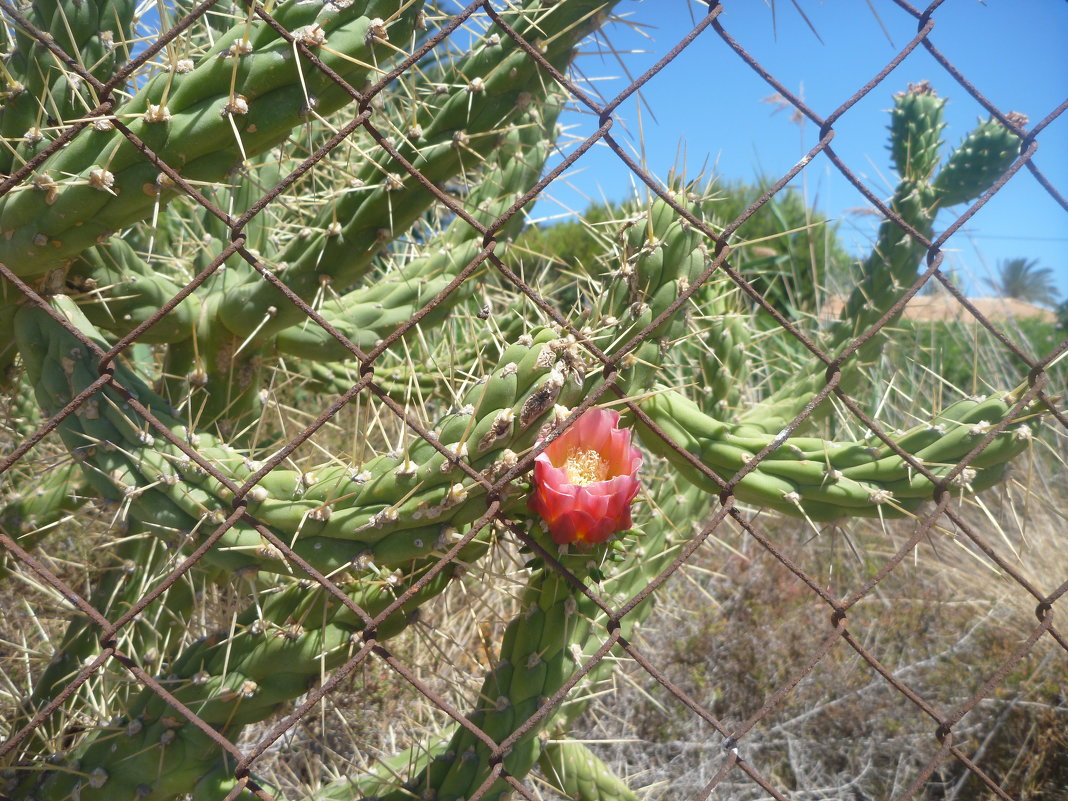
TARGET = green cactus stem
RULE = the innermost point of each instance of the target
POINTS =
(580, 774)
(821, 480)
(188, 117)
(978, 161)
(535, 660)
(335, 517)
(233, 678)
(41, 94)
(915, 129)
(489, 87)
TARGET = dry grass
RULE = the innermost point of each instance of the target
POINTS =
(739, 626)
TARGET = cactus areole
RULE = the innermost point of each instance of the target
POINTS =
(586, 479)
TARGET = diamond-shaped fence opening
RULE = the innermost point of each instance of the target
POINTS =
(320, 450)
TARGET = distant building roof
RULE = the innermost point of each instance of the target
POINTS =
(928, 308)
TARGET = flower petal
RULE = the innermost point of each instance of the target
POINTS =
(575, 526)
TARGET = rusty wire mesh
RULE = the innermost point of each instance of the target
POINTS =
(709, 32)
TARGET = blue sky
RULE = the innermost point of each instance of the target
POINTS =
(709, 105)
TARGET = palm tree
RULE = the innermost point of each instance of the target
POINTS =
(1023, 279)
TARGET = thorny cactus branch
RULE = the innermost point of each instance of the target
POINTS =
(41, 93)
(236, 677)
(484, 92)
(820, 480)
(242, 97)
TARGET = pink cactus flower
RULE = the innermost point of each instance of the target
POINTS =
(585, 481)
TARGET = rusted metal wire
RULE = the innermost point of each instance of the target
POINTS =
(838, 634)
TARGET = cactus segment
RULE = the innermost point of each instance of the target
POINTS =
(915, 127)
(394, 507)
(219, 782)
(185, 117)
(572, 768)
(382, 778)
(885, 275)
(368, 314)
(535, 660)
(41, 93)
(32, 505)
(860, 479)
(891, 268)
(120, 293)
(275, 652)
(978, 161)
(32, 502)
(719, 349)
(489, 86)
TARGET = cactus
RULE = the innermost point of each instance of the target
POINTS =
(821, 480)
(40, 92)
(99, 239)
(915, 127)
(891, 269)
(573, 768)
(978, 161)
(232, 678)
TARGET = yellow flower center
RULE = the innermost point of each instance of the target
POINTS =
(585, 467)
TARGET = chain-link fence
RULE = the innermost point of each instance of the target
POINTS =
(339, 571)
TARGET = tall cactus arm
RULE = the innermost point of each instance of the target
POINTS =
(821, 480)
(886, 273)
(535, 661)
(915, 132)
(188, 115)
(675, 513)
(718, 344)
(557, 628)
(659, 257)
(891, 268)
